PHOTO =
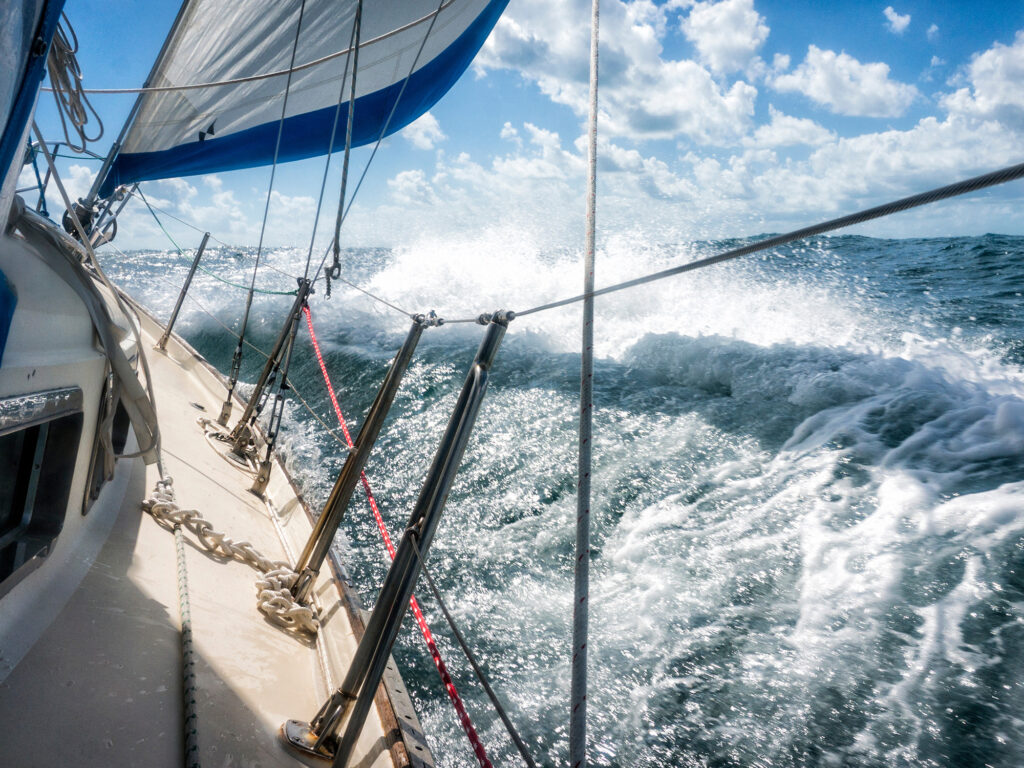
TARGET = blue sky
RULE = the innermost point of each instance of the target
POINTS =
(718, 118)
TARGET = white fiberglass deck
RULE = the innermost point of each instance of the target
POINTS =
(103, 684)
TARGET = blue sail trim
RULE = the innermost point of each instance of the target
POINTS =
(8, 301)
(34, 57)
(307, 135)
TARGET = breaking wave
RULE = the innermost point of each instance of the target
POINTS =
(809, 490)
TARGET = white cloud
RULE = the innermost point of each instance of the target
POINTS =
(726, 34)
(785, 131)
(847, 87)
(509, 133)
(411, 188)
(533, 181)
(994, 90)
(933, 33)
(643, 94)
(895, 22)
(424, 132)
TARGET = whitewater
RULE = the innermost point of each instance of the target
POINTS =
(808, 487)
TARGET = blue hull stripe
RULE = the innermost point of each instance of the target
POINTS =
(307, 135)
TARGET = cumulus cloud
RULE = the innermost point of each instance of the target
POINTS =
(752, 185)
(896, 23)
(772, 173)
(846, 86)
(425, 132)
(644, 95)
(994, 91)
(726, 34)
(411, 188)
(786, 131)
(933, 33)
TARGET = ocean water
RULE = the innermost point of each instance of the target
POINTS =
(809, 489)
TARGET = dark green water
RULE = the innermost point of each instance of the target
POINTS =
(809, 492)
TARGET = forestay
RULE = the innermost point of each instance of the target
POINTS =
(180, 131)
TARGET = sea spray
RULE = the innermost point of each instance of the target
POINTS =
(809, 543)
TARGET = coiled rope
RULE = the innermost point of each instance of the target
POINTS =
(73, 106)
(274, 598)
(428, 636)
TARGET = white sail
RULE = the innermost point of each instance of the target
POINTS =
(248, 43)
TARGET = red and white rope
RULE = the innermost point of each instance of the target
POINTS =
(428, 636)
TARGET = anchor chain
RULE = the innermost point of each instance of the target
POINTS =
(274, 597)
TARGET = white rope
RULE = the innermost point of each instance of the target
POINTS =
(66, 75)
(274, 597)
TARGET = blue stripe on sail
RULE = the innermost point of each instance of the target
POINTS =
(307, 135)
(34, 62)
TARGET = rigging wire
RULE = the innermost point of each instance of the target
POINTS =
(1002, 176)
(353, 45)
(335, 268)
(384, 130)
(581, 585)
(236, 360)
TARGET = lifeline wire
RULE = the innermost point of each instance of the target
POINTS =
(291, 385)
(1010, 173)
(200, 230)
(210, 272)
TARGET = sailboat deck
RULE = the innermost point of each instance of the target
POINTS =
(103, 686)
